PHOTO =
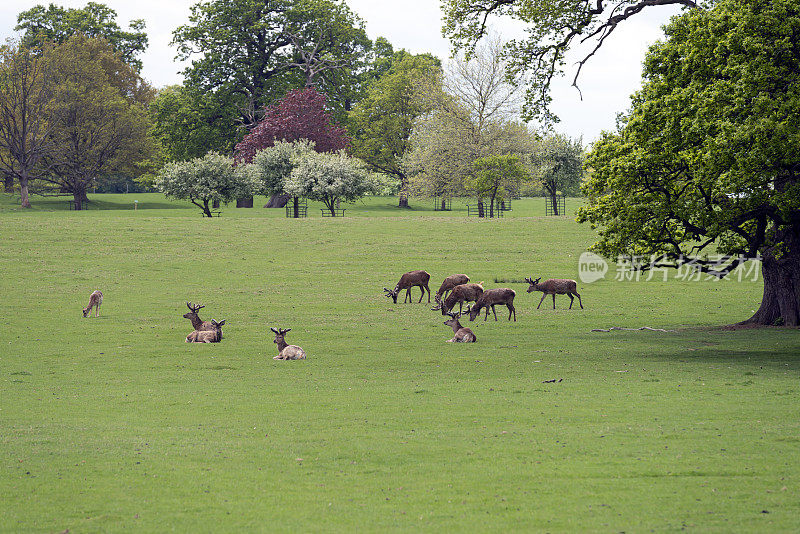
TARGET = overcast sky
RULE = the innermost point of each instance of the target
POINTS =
(606, 82)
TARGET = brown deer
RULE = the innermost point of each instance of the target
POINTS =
(464, 293)
(460, 334)
(286, 351)
(491, 298)
(407, 281)
(197, 322)
(555, 286)
(95, 300)
(449, 283)
(207, 336)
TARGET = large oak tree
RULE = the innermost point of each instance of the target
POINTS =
(707, 160)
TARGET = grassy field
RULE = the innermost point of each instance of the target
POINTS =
(115, 423)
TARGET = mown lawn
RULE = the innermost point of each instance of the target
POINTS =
(115, 423)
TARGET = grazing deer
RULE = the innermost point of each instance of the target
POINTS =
(407, 281)
(95, 300)
(286, 351)
(464, 293)
(197, 322)
(449, 283)
(491, 298)
(461, 334)
(555, 286)
(207, 336)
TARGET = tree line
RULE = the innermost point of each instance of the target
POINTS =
(75, 111)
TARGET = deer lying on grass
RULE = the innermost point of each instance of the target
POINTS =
(197, 322)
(95, 300)
(207, 336)
(285, 351)
(464, 293)
(555, 286)
(491, 298)
(407, 281)
(461, 334)
(449, 283)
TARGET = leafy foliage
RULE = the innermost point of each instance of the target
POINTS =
(495, 176)
(202, 181)
(301, 114)
(57, 24)
(557, 163)
(708, 153)
(273, 165)
(329, 177)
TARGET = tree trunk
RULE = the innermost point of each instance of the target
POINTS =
(79, 197)
(491, 207)
(206, 209)
(244, 202)
(554, 200)
(403, 203)
(278, 201)
(444, 204)
(480, 208)
(25, 201)
(296, 208)
(780, 302)
(215, 204)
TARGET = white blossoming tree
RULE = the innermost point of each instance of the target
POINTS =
(204, 181)
(272, 166)
(329, 177)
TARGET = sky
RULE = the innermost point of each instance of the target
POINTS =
(606, 82)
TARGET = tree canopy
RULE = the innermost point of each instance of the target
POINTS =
(329, 177)
(494, 176)
(557, 163)
(57, 24)
(706, 160)
(553, 27)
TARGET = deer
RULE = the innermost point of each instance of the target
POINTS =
(407, 281)
(95, 300)
(207, 336)
(286, 351)
(555, 286)
(449, 283)
(491, 298)
(459, 295)
(461, 334)
(197, 323)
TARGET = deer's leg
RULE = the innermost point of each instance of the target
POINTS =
(579, 299)
(494, 312)
(422, 288)
(429, 293)
(540, 302)
(97, 311)
(571, 300)
(460, 306)
(408, 296)
(554, 301)
(510, 311)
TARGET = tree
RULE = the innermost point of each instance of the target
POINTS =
(57, 24)
(252, 51)
(553, 27)
(706, 160)
(329, 177)
(206, 180)
(558, 163)
(98, 116)
(188, 123)
(384, 119)
(272, 166)
(25, 100)
(493, 176)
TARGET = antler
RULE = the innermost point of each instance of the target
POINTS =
(275, 330)
(285, 331)
(195, 308)
(529, 280)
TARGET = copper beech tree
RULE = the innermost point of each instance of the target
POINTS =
(301, 114)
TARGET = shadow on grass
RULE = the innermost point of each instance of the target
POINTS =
(63, 203)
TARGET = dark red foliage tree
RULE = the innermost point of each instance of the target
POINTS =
(301, 114)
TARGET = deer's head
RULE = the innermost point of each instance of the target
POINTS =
(453, 320)
(392, 294)
(533, 284)
(279, 333)
(193, 309)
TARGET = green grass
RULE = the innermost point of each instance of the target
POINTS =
(115, 423)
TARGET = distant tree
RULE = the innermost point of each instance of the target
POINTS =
(557, 162)
(25, 99)
(301, 114)
(188, 123)
(553, 27)
(250, 52)
(493, 176)
(329, 178)
(706, 161)
(384, 119)
(57, 24)
(272, 166)
(98, 117)
(204, 181)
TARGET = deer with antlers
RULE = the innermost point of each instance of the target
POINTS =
(407, 281)
(555, 286)
(197, 322)
(95, 300)
(460, 294)
(286, 351)
(491, 298)
(461, 334)
(207, 336)
(449, 283)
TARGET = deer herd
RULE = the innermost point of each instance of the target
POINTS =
(455, 289)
